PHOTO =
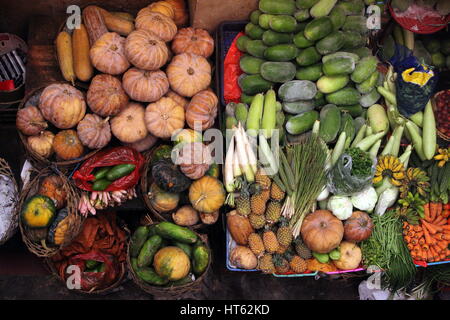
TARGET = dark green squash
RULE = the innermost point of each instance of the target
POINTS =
(38, 212)
(169, 177)
(59, 227)
(163, 151)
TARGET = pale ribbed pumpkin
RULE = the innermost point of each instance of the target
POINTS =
(129, 126)
(106, 96)
(42, 144)
(30, 121)
(145, 86)
(67, 145)
(163, 7)
(164, 117)
(182, 101)
(146, 50)
(196, 41)
(202, 110)
(194, 160)
(62, 105)
(156, 22)
(94, 131)
(181, 14)
(108, 54)
(189, 74)
(144, 144)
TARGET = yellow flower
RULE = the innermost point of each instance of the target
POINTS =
(443, 156)
(391, 167)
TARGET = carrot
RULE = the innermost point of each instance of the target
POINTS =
(426, 210)
(434, 253)
(440, 220)
(431, 227)
(426, 234)
(442, 256)
(442, 245)
(417, 228)
(439, 208)
(405, 224)
(411, 234)
(433, 210)
(410, 246)
(405, 232)
(445, 227)
(414, 241)
(445, 213)
(421, 241)
(418, 235)
(407, 239)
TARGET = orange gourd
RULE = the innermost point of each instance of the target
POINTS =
(202, 110)
(156, 22)
(191, 40)
(129, 126)
(181, 14)
(106, 96)
(207, 194)
(53, 187)
(145, 50)
(67, 145)
(164, 117)
(163, 7)
(145, 86)
(108, 54)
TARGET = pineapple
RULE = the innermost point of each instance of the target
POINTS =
(273, 212)
(284, 233)
(280, 263)
(256, 244)
(258, 204)
(265, 264)
(276, 193)
(302, 250)
(282, 249)
(270, 241)
(263, 179)
(298, 265)
(257, 221)
(243, 203)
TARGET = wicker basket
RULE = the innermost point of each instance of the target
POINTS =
(6, 171)
(171, 292)
(76, 220)
(146, 181)
(435, 109)
(32, 98)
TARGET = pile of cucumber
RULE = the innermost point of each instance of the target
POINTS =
(104, 176)
(148, 240)
(313, 52)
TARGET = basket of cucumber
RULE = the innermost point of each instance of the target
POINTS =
(167, 260)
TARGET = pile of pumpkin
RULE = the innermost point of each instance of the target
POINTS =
(130, 57)
(45, 215)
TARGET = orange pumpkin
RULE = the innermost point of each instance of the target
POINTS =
(146, 50)
(53, 187)
(94, 131)
(67, 145)
(182, 101)
(62, 105)
(129, 126)
(189, 74)
(181, 14)
(196, 41)
(164, 117)
(207, 194)
(145, 86)
(108, 54)
(163, 7)
(202, 110)
(106, 96)
(156, 22)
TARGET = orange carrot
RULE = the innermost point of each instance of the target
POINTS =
(410, 246)
(411, 234)
(418, 235)
(442, 257)
(445, 213)
(433, 210)
(405, 224)
(417, 228)
(407, 239)
(442, 245)
(426, 234)
(431, 227)
(426, 209)
(439, 208)
(421, 241)
(440, 220)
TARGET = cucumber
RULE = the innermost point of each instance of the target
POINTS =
(298, 107)
(256, 48)
(283, 23)
(345, 96)
(272, 38)
(91, 264)
(241, 43)
(369, 84)
(308, 57)
(297, 90)
(301, 26)
(305, 4)
(370, 98)
(301, 42)
(101, 173)
(150, 276)
(364, 69)
(253, 84)
(301, 15)
(264, 20)
(354, 7)
(277, 6)
(185, 247)
(341, 54)
(250, 65)
(347, 126)
(172, 231)
(278, 71)
(331, 43)
(353, 40)
(354, 110)
(119, 171)
(134, 264)
(338, 66)
(200, 259)
(101, 185)
(322, 8)
(318, 28)
(254, 31)
(137, 240)
(361, 52)
(319, 102)
(281, 52)
(338, 17)
(254, 16)
(356, 23)
(311, 73)
(148, 250)
(280, 118)
(246, 98)
(330, 122)
(330, 84)
(302, 122)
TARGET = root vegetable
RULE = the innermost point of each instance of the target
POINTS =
(185, 216)
(243, 257)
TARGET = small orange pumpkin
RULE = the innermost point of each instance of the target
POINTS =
(181, 14)
(106, 96)
(108, 54)
(189, 74)
(163, 7)
(156, 22)
(129, 125)
(67, 145)
(53, 187)
(191, 40)
(145, 50)
(145, 86)
(202, 110)
(164, 117)
(207, 194)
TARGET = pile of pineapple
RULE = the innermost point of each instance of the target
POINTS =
(272, 242)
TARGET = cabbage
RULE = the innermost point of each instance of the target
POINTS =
(341, 206)
(365, 200)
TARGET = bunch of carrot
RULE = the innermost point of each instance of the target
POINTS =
(429, 240)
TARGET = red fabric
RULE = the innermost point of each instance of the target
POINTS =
(7, 85)
(232, 71)
(106, 158)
